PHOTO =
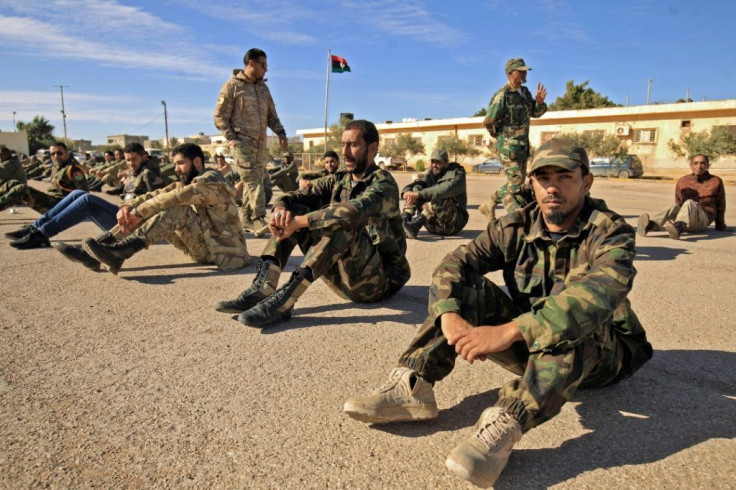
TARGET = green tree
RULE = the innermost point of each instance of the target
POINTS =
(155, 144)
(580, 96)
(39, 131)
(481, 112)
(404, 145)
(599, 144)
(717, 142)
(173, 142)
(457, 149)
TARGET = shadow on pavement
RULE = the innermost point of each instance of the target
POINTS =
(659, 253)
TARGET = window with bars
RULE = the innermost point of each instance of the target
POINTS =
(645, 136)
(475, 140)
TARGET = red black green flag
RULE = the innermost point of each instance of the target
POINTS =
(339, 65)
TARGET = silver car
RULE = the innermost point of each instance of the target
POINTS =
(490, 166)
(623, 168)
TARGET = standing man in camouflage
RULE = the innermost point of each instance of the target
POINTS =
(66, 175)
(567, 261)
(244, 110)
(349, 229)
(507, 120)
(197, 215)
(440, 196)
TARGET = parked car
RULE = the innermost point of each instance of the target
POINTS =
(490, 166)
(390, 163)
(623, 168)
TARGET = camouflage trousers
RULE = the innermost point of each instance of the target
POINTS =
(251, 166)
(690, 213)
(546, 379)
(13, 193)
(444, 216)
(513, 155)
(180, 227)
(346, 260)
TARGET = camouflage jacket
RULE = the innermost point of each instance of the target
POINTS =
(67, 177)
(214, 202)
(313, 175)
(115, 167)
(244, 109)
(567, 289)
(449, 184)
(168, 173)
(146, 179)
(372, 203)
(12, 169)
(509, 112)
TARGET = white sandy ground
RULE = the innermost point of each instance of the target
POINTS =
(136, 381)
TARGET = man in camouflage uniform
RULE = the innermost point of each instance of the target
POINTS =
(507, 120)
(197, 215)
(567, 261)
(108, 172)
(10, 167)
(440, 196)
(284, 176)
(80, 205)
(66, 176)
(331, 162)
(349, 229)
(244, 110)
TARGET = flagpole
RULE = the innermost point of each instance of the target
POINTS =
(327, 90)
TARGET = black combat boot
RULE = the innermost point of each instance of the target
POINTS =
(26, 230)
(114, 254)
(264, 284)
(411, 229)
(279, 305)
(95, 186)
(35, 239)
(116, 191)
(76, 253)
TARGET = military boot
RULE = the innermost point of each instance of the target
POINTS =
(481, 458)
(488, 209)
(411, 229)
(35, 239)
(405, 396)
(644, 225)
(264, 284)
(114, 254)
(116, 191)
(260, 227)
(26, 230)
(76, 253)
(279, 305)
(95, 186)
(675, 229)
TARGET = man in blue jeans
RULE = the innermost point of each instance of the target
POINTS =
(80, 205)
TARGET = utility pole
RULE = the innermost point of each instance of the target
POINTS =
(63, 111)
(166, 125)
(687, 96)
(649, 89)
(627, 100)
(14, 128)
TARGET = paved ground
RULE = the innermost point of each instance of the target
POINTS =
(135, 381)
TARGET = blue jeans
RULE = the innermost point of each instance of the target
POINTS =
(73, 209)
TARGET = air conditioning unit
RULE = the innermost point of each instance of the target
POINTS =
(623, 130)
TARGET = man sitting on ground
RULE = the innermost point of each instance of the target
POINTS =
(10, 167)
(349, 229)
(331, 162)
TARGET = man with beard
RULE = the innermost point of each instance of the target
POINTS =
(349, 229)
(331, 162)
(197, 215)
(567, 261)
(440, 196)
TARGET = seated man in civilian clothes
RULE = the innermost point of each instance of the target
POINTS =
(331, 162)
(568, 264)
(700, 199)
(197, 215)
(440, 197)
(66, 175)
(349, 229)
(80, 205)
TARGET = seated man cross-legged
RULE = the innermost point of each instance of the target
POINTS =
(567, 261)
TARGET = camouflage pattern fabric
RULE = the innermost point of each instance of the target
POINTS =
(507, 120)
(110, 174)
(355, 239)
(212, 202)
(690, 213)
(11, 169)
(64, 179)
(168, 173)
(568, 297)
(146, 179)
(443, 200)
(251, 167)
(180, 227)
(285, 177)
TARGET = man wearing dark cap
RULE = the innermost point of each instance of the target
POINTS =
(439, 196)
(331, 162)
(244, 110)
(284, 176)
(567, 261)
(507, 120)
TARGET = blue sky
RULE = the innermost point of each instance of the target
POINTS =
(409, 58)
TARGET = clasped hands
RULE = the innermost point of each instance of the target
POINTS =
(473, 343)
(283, 224)
(126, 220)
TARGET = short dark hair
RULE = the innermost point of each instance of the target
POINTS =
(134, 148)
(189, 151)
(253, 54)
(707, 160)
(331, 153)
(59, 143)
(110, 152)
(367, 130)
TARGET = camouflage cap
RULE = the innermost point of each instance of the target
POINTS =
(560, 152)
(440, 155)
(516, 64)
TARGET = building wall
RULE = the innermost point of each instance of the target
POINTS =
(15, 140)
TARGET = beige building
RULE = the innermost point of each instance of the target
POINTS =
(646, 130)
(123, 139)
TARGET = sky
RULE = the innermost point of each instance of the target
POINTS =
(117, 59)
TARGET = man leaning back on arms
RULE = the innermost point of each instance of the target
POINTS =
(567, 261)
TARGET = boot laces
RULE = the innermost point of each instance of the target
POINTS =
(492, 432)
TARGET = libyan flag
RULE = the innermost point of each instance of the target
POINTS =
(339, 65)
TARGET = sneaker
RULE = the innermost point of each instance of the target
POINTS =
(260, 227)
(76, 253)
(481, 458)
(405, 396)
(644, 225)
(26, 230)
(34, 239)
